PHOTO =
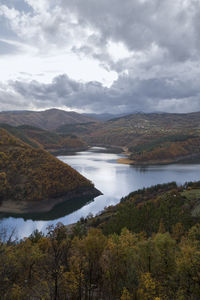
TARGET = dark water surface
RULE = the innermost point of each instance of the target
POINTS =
(112, 179)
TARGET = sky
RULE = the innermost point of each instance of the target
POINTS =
(100, 56)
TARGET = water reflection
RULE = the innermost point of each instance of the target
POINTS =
(59, 210)
(113, 179)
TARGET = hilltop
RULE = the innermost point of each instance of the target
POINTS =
(49, 119)
(34, 180)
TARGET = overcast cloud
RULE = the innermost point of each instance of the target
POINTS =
(100, 56)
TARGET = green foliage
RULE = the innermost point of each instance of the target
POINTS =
(145, 210)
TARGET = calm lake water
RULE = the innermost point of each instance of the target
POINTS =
(112, 179)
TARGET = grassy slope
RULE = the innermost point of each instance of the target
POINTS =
(33, 174)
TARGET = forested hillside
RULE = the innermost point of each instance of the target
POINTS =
(153, 253)
(147, 138)
(40, 138)
(30, 175)
(146, 210)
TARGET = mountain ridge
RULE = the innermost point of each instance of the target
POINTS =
(48, 119)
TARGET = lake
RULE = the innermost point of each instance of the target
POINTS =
(112, 179)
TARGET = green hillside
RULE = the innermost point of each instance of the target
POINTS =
(145, 210)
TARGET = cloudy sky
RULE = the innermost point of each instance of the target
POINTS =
(100, 55)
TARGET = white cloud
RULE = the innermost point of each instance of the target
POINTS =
(118, 51)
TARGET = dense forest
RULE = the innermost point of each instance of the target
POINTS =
(29, 174)
(152, 254)
(148, 209)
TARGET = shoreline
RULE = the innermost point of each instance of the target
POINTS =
(124, 161)
(189, 159)
(64, 151)
(46, 205)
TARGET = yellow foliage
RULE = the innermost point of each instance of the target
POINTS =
(34, 174)
(148, 287)
(125, 295)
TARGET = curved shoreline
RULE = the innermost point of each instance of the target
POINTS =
(187, 159)
(46, 205)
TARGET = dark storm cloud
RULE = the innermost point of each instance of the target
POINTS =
(125, 95)
(173, 25)
(10, 100)
(160, 72)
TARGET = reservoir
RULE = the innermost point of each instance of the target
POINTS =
(114, 180)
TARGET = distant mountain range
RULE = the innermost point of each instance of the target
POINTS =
(48, 119)
(104, 117)
(52, 119)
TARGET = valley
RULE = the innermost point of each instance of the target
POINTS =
(154, 138)
(145, 220)
(114, 180)
(147, 138)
